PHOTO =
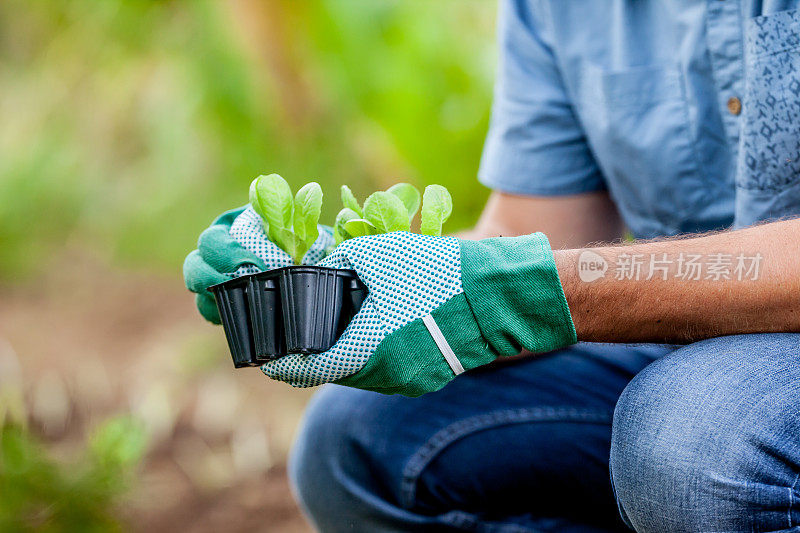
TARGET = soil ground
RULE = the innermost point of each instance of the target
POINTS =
(91, 341)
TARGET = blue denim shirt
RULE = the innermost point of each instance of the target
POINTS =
(687, 111)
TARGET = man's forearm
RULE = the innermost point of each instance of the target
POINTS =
(686, 289)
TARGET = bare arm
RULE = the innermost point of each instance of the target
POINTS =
(680, 302)
(568, 221)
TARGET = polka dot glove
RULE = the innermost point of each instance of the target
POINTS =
(437, 306)
(234, 245)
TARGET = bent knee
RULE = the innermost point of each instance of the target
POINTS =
(342, 463)
(699, 437)
(323, 454)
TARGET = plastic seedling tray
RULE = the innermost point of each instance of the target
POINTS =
(234, 311)
(318, 303)
(295, 309)
(264, 299)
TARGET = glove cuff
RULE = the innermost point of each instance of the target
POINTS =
(396, 365)
(512, 286)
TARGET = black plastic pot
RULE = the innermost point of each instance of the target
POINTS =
(234, 311)
(318, 303)
(296, 309)
(264, 299)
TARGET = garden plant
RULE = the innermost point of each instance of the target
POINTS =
(305, 308)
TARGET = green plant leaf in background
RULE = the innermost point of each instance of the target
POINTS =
(307, 208)
(339, 232)
(359, 228)
(437, 205)
(119, 442)
(409, 195)
(274, 203)
(197, 89)
(349, 200)
(386, 212)
(47, 494)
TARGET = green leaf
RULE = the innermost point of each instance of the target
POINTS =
(339, 233)
(274, 203)
(120, 441)
(359, 227)
(291, 244)
(409, 195)
(386, 212)
(307, 208)
(437, 205)
(349, 200)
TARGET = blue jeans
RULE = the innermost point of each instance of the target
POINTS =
(704, 437)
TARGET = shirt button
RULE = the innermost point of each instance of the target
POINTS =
(734, 105)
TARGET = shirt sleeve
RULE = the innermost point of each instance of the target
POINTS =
(535, 143)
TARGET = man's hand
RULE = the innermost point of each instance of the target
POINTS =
(686, 289)
(234, 245)
(437, 306)
(217, 257)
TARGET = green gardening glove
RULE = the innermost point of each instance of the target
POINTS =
(233, 246)
(437, 306)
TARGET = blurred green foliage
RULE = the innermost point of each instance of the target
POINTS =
(127, 125)
(46, 495)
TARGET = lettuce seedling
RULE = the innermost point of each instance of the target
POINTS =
(386, 212)
(349, 200)
(360, 227)
(409, 195)
(307, 209)
(271, 197)
(392, 210)
(290, 223)
(437, 205)
(339, 232)
(383, 211)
